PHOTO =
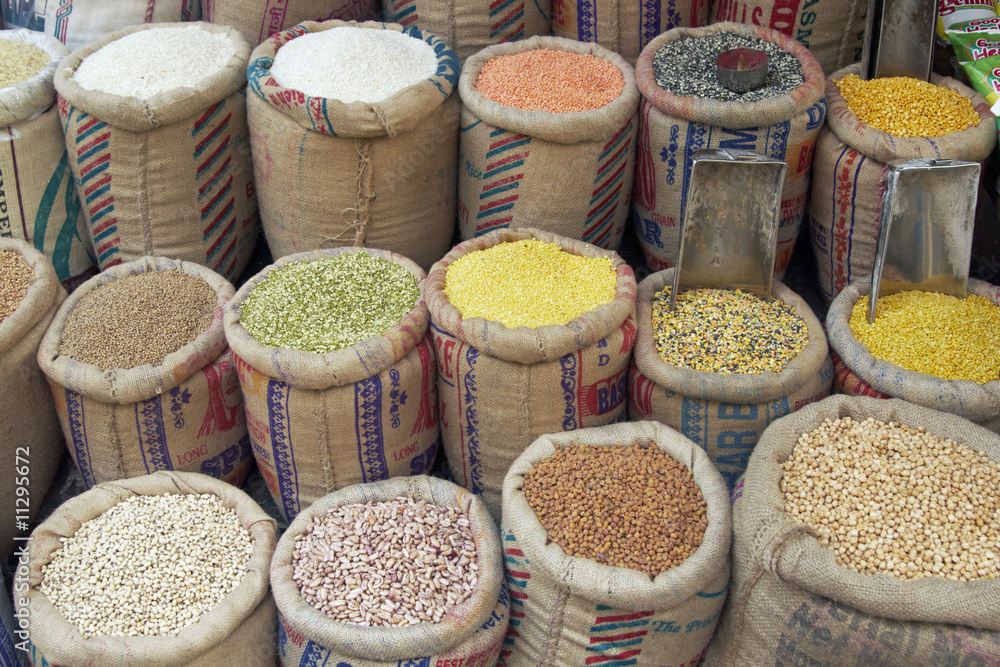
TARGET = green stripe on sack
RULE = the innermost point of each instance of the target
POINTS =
(68, 230)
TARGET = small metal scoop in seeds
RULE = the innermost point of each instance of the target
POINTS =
(925, 229)
(742, 70)
(729, 223)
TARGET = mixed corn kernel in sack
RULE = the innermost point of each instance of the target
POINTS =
(15, 279)
(906, 107)
(20, 61)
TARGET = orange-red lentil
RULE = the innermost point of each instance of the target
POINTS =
(549, 80)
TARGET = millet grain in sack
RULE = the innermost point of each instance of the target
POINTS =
(849, 173)
(566, 609)
(259, 20)
(723, 414)
(501, 388)
(30, 439)
(672, 128)
(169, 175)
(40, 202)
(792, 603)
(81, 22)
(185, 413)
(512, 160)
(238, 630)
(379, 175)
(321, 422)
(470, 633)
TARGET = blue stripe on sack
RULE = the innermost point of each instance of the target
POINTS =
(502, 168)
(211, 117)
(97, 127)
(220, 197)
(507, 147)
(403, 14)
(107, 253)
(501, 7)
(209, 187)
(603, 191)
(604, 627)
(93, 151)
(152, 435)
(284, 462)
(210, 139)
(96, 217)
(715, 594)
(622, 137)
(649, 21)
(314, 655)
(472, 421)
(500, 188)
(419, 662)
(506, 24)
(609, 646)
(104, 189)
(95, 171)
(225, 237)
(368, 429)
(694, 420)
(567, 363)
(586, 21)
(113, 229)
(777, 140)
(78, 434)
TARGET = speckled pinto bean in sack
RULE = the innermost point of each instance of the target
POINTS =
(259, 20)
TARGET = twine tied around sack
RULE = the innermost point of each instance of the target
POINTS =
(361, 215)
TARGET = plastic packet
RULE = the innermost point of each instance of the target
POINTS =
(951, 12)
(977, 45)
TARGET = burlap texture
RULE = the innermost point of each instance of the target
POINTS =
(170, 176)
(512, 161)
(501, 388)
(331, 174)
(863, 374)
(849, 179)
(622, 26)
(792, 604)
(238, 631)
(723, 414)
(470, 633)
(77, 23)
(566, 610)
(38, 200)
(11, 644)
(257, 20)
(672, 128)
(186, 414)
(832, 30)
(30, 440)
(321, 422)
(469, 26)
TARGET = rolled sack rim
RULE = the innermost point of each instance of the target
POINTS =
(973, 143)
(733, 114)
(398, 113)
(146, 381)
(44, 292)
(31, 97)
(314, 370)
(621, 587)
(887, 378)
(563, 128)
(166, 108)
(548, 342)
(62, 643)
(781, 546)
(737, 387)
(393, 643)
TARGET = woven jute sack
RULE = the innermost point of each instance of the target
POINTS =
(622, 26)
(568, 611)
(185, 414)
(792, 604)
(849, 175)
(331, 174)
(77, 23)
(469, 26)
(512, 161)
(672, 128)
(468, 635)
(833, 30)
(259, 19)
(239, 630)
(38, 200)
(170, 176)
(321, 422)
(859, 373)
(723, 414)
(30, 439)
(14, 650)
(501, 388)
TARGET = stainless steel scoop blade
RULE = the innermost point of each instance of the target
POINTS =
(899, 39)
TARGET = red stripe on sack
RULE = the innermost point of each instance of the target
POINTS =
(86, 126)
(519, 575)
(223, 144)
(610, 161)
(518, 29)
(519, 595)
(598, 659)
(498, 202)
(103, 180)
(494, 223)
(96, 163)
(510, 15)
(115, 262)
(207, 114)
(220, 215)
(221, 236)
(623, 617)
(97, 207)
(211, 135)
(600, 639)
(515, 552)
(502, 181)
(611, 178)
(110, 244)
(104, 225)
(615, 138)
(514, 613)
(605, 200)
(232, 245)
(607, 214)
(504, 142)
(211, 180)
(207, 207)
(87, 146)
(506, 160)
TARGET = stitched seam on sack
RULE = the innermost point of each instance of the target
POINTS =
(144, 215)
(329, 472)
(116, 438)
(555, 620)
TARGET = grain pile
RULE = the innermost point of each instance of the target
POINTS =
(15, 278)
(906, 107)
(20, 61)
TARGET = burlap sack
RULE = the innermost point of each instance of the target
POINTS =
(832, 30)
(570, 611)
(30, 440)
(469, 635)
(169, 176)
(331, 174)
(723, 414)
(792, 604)
(849, 179)
(860, 373)
(186, 414)
(500, 389)
(77, 23)
(258, 20)
(238, 631)
(469, 26)
(673, 128)
(514, 161)
(38, 201)
(320, 422)
(622, 26)
(14, 651)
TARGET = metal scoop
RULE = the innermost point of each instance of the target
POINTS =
(925, 229)
(899, 39)
(729, 223)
